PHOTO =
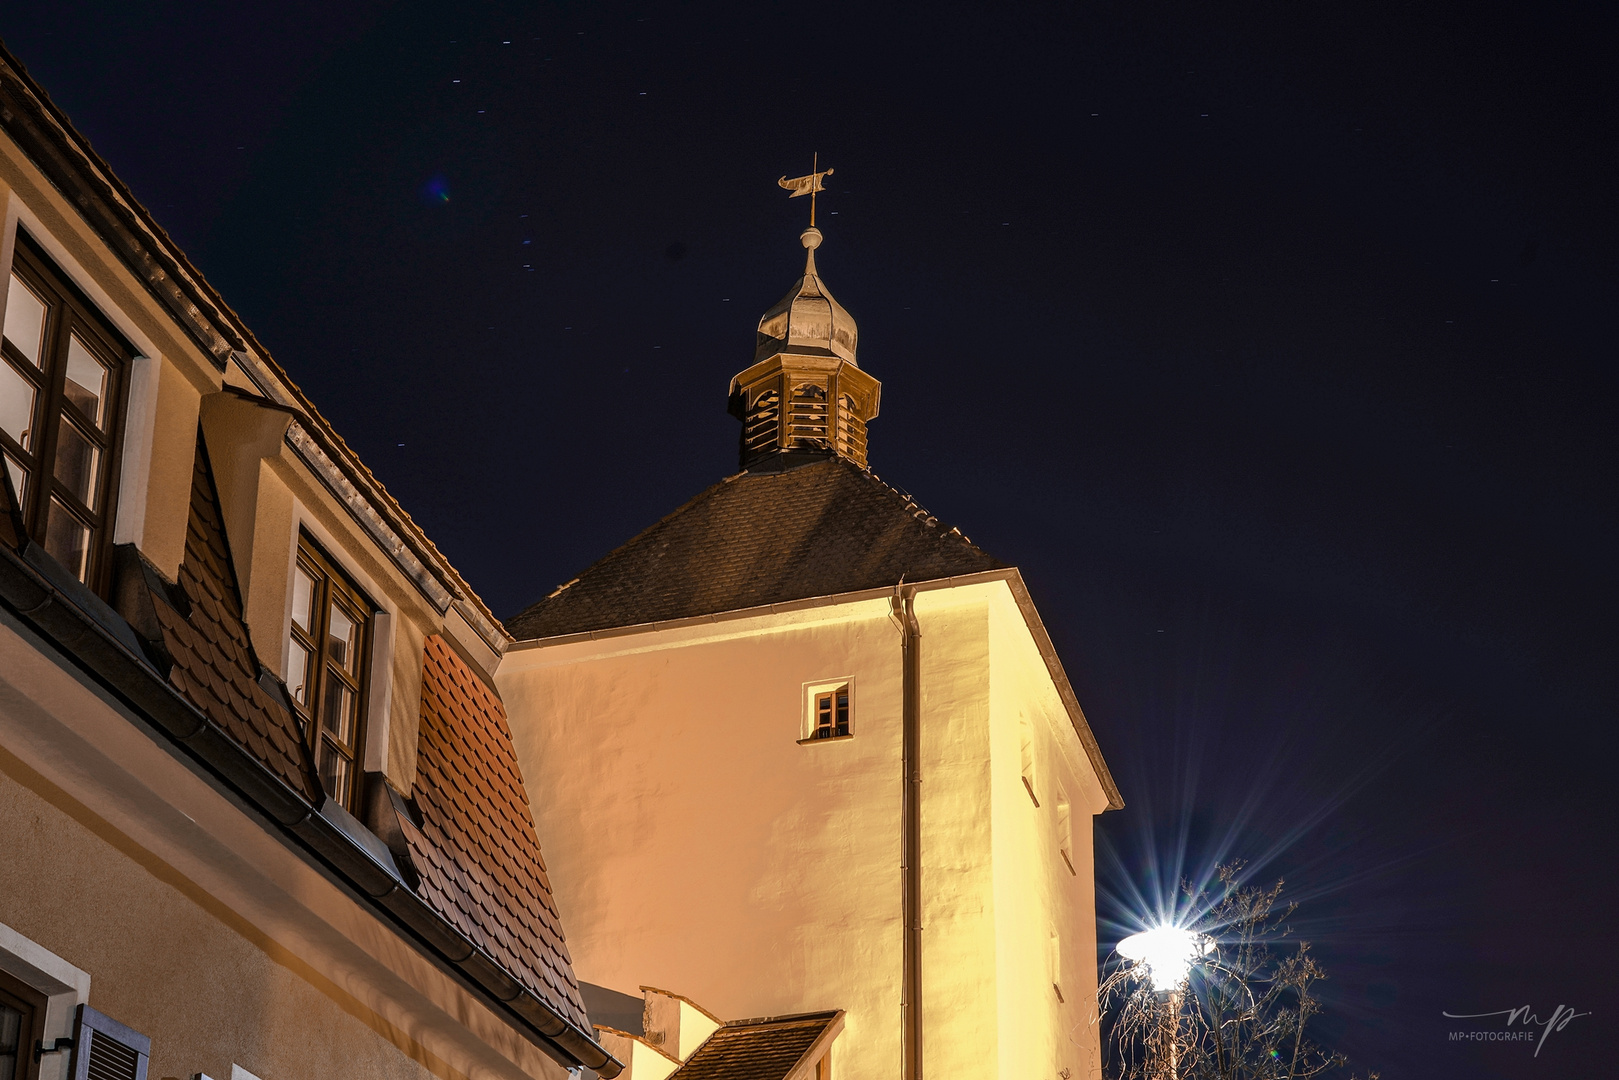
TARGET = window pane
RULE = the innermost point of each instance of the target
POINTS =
(86, 381)
(25, 319)
(334, 772)
(298, 673)
(19, 484)
(341, 634)
(303, 594)
(337, 710)
(76, 458)
(10, 1041)
(16, 404)
(67, 539)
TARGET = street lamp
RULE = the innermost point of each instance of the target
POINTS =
(1167, 953)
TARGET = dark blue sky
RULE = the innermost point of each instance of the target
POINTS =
(1274, 344)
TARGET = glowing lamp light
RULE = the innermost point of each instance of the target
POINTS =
(1168, 952)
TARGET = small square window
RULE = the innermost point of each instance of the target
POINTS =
(828, 710)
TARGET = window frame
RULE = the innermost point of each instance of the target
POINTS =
(32, 1004)
(69, 314)
(814, 694)
(1064, 827)
(333, 586)
(1027, 752)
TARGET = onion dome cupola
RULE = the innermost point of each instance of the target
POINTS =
(804, 398)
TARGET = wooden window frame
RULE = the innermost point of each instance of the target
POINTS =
(69, 314)
(826, 718)
(25, 999)
(332, 587)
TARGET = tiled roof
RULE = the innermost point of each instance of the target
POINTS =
(214, 666)
(65, 155)
(476, 850)
(760, 538)
(767, 1049)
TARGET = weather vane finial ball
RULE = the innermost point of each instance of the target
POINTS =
(811, 237)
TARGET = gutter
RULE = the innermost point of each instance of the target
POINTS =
(904, 609)
(93, 637)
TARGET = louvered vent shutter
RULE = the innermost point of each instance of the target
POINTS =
(104, 1049)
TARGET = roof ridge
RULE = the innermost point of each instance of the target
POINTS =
(919, 511)
(789, 1018)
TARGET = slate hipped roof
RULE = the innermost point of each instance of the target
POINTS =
(759, 538)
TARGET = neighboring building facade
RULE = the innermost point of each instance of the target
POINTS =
(260, 811)
(753, 720)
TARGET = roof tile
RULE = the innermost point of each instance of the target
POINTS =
(476, 848)
(214, 666)
(760, 538)
(765, 1049)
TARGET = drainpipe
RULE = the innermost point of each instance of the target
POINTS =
(904, 609)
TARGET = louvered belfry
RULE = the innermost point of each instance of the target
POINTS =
(804, 397)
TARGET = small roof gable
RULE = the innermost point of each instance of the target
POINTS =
(771, 1048)
(760, 538)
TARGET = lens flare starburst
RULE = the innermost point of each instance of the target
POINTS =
(1168, 953)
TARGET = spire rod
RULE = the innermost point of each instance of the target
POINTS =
(815, 163)
(810, 185)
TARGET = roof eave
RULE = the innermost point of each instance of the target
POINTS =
(1011, 575)
(44, 133)
(89, 642)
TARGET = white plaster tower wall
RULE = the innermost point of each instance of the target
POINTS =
(695, 844)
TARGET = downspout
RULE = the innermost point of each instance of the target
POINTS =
(904, 609)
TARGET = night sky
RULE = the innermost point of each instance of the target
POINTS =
(1274, 344)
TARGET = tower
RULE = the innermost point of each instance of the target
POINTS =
(824, 752)
(804, 396)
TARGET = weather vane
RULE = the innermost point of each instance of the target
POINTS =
(808, 185)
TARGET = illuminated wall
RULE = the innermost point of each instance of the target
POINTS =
(695, 844)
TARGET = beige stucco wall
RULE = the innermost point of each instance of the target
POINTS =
(165, 965)
(675, 808)
(1045, 912)
(695, 845)
(198, 926)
